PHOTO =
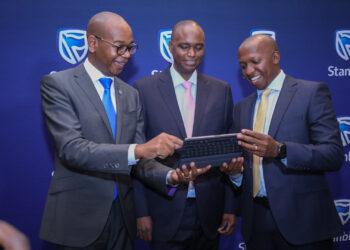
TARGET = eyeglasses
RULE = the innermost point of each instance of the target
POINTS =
(121, 49)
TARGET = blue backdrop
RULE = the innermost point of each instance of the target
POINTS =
(313, 37)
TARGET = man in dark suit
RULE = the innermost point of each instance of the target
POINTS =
(286, 201)
(192, 218)
(96, 122)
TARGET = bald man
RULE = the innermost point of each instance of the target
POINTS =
(286, 201)
(199, 212)
(96, 123)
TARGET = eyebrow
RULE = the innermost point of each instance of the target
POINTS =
(119, 41)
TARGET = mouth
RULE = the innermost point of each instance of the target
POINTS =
(190, 62)
(119, 64)
(254, 78)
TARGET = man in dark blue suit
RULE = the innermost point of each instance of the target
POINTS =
(286, 201)
(197, 213)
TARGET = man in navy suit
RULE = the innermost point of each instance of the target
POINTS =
(198, 212)
(291, 207)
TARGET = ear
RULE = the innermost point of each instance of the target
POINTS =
(92, 43)
(276, 57)
(171, 46)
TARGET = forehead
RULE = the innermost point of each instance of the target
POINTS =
(189, 34)
(254, 49)
(119, 32)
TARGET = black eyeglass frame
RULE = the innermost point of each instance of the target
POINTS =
(121, 49)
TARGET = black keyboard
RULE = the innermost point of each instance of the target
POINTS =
(209, 150)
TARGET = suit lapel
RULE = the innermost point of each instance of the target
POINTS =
(285, 97)
(166, 88)
(119, 95)
(87, 86)
(248, 122)
(203, 90)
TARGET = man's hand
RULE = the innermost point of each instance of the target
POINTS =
(144, 228)
(235, 166)
(11, 238)
(228, 224)
(186, 175)
(257, 143)
(160, 146)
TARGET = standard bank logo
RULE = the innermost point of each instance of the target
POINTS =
(344, 124)
(263, 32)
(72, 44)
(164, 38)
(343, 208)
(342, 43)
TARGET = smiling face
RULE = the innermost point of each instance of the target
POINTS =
(259, 60)
(187, 48)
(103, 55)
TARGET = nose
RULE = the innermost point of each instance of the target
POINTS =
(249, 69)
(191, 52)
(127, 54)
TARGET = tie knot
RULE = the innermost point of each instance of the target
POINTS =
(187, 84)
(106, 82)
(266, 92)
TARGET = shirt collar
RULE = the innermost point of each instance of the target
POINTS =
(178, 79)
(276, 83)
(93, 72)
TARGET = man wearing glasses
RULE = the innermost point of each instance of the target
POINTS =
(97, 126)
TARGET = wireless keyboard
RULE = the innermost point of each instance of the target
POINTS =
(209, 150)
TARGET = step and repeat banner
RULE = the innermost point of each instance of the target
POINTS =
(39, 37)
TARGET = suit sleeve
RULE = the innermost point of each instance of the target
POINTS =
(324, 152)
(150, 173)
(72, 148)
(230, 199)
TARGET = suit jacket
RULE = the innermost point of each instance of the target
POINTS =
(213, 115)
(299, 196)
(88, 161)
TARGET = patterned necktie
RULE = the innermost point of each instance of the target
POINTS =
(259, 127)
(107, 103)
(112, 117)
(188, 108)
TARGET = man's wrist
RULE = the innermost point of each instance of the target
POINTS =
(281, 151)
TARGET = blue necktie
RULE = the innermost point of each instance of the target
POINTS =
(107, 103)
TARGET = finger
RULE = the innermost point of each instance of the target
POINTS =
(167, 147)
(228, 229)
(247, 146)
(244, 140)
(177, 141)
(233, 161)
(223, 227)
(203, 170)
(223, 167)
(178, 178)
(185, 171)
(149, 235)
(193, 169)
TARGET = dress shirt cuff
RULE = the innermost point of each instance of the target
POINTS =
(131, 155)
(167, 181)
(284, 161)
(236, 179)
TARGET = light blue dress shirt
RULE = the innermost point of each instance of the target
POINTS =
(179, 92)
